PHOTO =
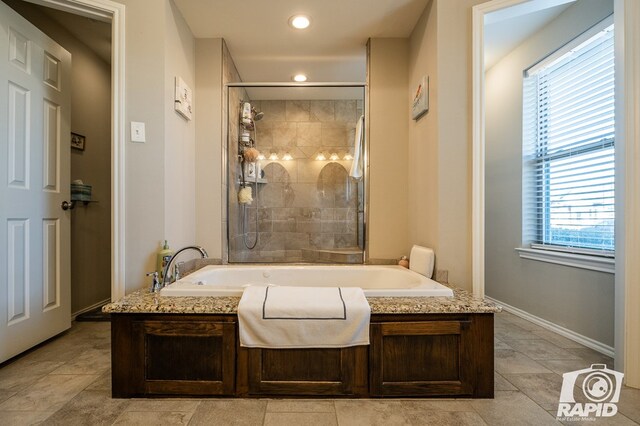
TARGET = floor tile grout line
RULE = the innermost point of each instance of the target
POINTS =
(524, 394)
(517, 389)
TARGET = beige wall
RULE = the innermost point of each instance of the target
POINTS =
(91, 117)
(388, 149)
(144, 168)
(454, 119)
(156, 35)
(208, 117)
(433, 167)
(91, 225)
(180, 134)
(440, 142)
(423, 165)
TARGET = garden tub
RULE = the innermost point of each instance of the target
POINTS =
(376, 281)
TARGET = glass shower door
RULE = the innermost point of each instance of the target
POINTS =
(291, 196)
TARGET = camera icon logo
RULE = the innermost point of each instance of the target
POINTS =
(600, 386)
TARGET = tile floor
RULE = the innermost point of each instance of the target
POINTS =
(67, 382)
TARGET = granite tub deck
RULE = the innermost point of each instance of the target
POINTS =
(189, 346)
(142, 301)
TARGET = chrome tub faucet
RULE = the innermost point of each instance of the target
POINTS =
(166, 280)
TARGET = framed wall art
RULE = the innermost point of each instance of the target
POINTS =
(421, 99)
(77, 141)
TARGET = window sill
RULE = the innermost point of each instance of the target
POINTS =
(582, 261)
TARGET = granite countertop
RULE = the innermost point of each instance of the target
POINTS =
(142, 301)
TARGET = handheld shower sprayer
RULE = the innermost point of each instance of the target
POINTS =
(249, 115)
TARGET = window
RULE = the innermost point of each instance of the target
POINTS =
(568, 150)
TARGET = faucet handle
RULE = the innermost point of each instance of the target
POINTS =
(155, 284)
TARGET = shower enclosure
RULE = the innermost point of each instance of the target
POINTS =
(295, 164)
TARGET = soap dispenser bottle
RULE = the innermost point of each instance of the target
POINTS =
(164, 256)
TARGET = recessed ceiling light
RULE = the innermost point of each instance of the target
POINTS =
(300, 78)
(299, 22)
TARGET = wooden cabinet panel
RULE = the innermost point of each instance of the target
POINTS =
(435, 358)
(307, 371)
(425, 358)
(179, 358)
(409, 355)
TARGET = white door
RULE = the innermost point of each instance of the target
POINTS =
(35, 103)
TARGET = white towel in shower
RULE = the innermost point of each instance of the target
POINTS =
(356, 165)
(303, 317)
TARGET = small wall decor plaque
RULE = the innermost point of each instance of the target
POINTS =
(421, 99)
(77, 141)
(184, 99)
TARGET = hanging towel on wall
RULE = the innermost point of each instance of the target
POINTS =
(303, 317)
(356, 166)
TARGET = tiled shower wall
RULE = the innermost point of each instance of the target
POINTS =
(307, 205)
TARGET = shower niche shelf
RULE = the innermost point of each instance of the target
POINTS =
(261, 181)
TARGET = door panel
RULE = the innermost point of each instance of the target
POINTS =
(51, 146)
(19, 51)
(35, 103)
(51, 267)
(19, 137)
(18, 270)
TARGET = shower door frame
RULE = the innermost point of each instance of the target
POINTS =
(365, 157)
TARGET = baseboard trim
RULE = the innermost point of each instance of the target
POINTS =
(90, 308)
(565, 332)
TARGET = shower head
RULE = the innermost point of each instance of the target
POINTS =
(257, 116)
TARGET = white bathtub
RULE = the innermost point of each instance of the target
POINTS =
(376, 281)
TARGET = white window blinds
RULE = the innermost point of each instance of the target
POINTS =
(568, 197)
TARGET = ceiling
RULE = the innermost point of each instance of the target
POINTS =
(265, 48)
(506, 31)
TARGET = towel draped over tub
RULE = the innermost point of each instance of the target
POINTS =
(303, 317)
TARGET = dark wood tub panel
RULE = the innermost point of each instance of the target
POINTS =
(426, 355)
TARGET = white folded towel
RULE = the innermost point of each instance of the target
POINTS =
(303, 317)
(356, 165)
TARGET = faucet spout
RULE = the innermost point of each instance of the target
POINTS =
(165, 280)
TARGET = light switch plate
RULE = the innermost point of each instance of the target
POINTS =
(137, 132)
